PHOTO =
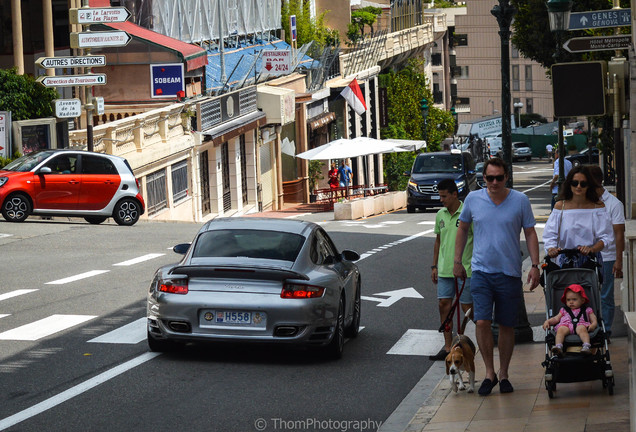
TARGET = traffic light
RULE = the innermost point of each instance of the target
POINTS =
(424, 107)
(453, 112)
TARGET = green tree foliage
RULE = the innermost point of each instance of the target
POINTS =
(359, 18)
(405, 90)
(307, 28)
(533, 38)
(24, 97)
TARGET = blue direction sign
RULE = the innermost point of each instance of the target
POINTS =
(600, 19)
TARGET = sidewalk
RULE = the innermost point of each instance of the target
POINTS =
(576, 407)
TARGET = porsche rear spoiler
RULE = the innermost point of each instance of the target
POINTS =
(228, 271)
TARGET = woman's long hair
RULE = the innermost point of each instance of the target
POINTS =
(592, 185)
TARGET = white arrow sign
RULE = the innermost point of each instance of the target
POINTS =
(98, 15)
(394, 296)
(72, 80)
(100, 39)
(71, 62)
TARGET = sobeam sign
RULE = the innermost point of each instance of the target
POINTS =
(578, 89)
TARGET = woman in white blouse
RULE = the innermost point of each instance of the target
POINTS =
(579, 220)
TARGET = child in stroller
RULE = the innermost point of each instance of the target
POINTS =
(573, 365)
(573, 318)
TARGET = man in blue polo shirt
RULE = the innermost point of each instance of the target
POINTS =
(498, 215)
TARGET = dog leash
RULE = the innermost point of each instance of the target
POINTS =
(449, 318)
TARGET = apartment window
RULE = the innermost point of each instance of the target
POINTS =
(529, 106)
(460, 40)
(463, 72)
(515, 77)
(156, 190)
(514, 51)
(528, 77)
(179, 181)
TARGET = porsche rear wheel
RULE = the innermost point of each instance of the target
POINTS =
(336, 346)
(354, 328)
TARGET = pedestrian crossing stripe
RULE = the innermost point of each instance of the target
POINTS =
(15, 293)
(132, 333)
(45, 327)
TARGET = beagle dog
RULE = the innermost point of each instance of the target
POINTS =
(461, 358)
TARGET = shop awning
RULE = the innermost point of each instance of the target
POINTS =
(193, 56)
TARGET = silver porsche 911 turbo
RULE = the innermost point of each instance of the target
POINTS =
(257, 280)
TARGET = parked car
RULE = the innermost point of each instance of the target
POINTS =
(583, 157)
(479, 173)
(257, 280)
(521, 150)
(94, 186)
(431, 168)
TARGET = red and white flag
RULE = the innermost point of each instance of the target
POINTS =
(353, 94)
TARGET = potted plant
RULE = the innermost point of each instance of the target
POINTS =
(314, 174)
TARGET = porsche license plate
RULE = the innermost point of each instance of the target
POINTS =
(237, 318)
(232, 317)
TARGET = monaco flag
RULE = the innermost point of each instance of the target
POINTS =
(353, 95)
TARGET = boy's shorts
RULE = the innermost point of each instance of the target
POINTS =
(446, 289)
(499, 290)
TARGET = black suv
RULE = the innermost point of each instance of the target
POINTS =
(431, 168)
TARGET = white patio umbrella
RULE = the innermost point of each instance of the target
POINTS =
(349, 148)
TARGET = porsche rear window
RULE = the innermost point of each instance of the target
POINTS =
(249, 243)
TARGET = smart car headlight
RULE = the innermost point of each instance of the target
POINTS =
(3, 180)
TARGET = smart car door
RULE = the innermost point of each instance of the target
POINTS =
(59, 188)
(100, 181)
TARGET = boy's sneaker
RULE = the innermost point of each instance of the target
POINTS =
(586, 349)
(557, 350)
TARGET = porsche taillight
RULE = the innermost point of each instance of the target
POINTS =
(174, 287)
(297, 291)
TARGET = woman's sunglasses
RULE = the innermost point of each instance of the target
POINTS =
(576, 183)
(492, 178)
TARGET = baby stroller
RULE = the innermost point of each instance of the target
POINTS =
(575, 366)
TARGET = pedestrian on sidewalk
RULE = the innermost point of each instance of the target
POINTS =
(548, 151)
(579, 220)
(345, 174)
(613, 252)
(498, 215)
(554, 187)
(446, 222)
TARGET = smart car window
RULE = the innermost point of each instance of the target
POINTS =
(62, 164)
(249, 243)
(97, 165)
(28, 162)
(445, 163)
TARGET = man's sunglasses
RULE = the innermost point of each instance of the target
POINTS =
(492, 178)
(575, 183)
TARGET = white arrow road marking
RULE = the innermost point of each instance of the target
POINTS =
(131, 333)
(139, 259)
(44, 327)
(15, 293)
(4, 315)
(425, 342)
(393, 296)
(75, 391)
(77, 277)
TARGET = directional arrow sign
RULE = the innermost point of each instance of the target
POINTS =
(394, 296)
(98, 15)
(72, 80)
(99, 39)
(600, 19)
(599, 43)
(71, 62)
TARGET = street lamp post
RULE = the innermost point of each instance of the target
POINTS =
(559, 14)
(518, 106)
(504, 12)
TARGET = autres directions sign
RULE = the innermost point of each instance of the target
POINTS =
(71, 62)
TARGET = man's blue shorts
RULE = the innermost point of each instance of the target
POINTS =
(446, 289)
(500, 290)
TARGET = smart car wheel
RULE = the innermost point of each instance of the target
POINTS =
(127, 212)
(16, 208)
(95, 220)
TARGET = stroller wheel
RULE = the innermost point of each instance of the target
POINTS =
(610, 386)
(551, 387)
